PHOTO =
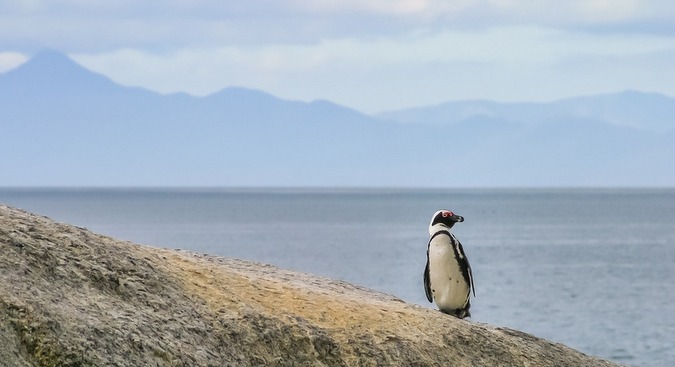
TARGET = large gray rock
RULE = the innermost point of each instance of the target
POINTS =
(69, 297)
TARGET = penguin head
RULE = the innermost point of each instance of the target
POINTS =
(445, 218)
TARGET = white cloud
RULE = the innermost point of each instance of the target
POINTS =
(10, 60)
(366, 54)
(371, 74)
(403, 15)
(469, 13)
(395, 7)
(97, 25)
(570, 11)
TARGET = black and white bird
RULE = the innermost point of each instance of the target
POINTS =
(447, 277)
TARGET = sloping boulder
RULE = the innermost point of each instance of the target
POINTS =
(69, 297)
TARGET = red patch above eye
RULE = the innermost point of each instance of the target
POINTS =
(447, 214)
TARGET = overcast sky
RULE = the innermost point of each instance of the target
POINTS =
(370, 55)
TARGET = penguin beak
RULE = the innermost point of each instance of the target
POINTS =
(457, 218)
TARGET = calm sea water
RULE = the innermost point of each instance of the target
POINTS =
(591, 268)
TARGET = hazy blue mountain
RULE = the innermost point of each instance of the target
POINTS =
(612, 139)
(647, 111)
(66, 125)
(62, 124)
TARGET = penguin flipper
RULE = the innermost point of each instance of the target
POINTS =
(473, 288)
(427, 282)
(465, 266)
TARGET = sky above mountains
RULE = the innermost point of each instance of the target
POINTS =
(64, 125)
(370, 55)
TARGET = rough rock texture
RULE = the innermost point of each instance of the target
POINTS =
(69, 297)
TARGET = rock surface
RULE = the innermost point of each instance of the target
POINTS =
(69, 297)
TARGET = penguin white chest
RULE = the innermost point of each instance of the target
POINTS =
(449, 289)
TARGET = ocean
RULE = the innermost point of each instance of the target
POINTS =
(591, 268)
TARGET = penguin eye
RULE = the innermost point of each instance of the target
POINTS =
(447, 214)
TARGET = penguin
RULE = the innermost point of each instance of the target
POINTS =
(447, 276)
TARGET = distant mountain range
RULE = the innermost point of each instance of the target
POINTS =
(63, 125)
(642, 111)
